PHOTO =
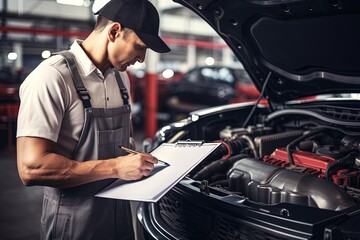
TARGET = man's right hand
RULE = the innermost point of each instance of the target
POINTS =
(135, 166)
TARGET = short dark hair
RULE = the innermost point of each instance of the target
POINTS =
(102, 22)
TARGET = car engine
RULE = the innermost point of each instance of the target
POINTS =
(316, 167)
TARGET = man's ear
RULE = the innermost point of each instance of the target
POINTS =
(114, 31)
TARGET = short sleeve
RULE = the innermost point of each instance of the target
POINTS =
(43, 100)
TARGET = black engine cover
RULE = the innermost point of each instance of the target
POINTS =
(270, 184)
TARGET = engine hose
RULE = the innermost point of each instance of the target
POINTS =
(346, 161)
(237, 146)
(221, 151)
(298, 140)
(216, 166)
(230, 148)
(313, 132)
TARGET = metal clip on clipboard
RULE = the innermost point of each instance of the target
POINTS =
(189, 143)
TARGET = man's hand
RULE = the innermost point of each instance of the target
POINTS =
(135, 166)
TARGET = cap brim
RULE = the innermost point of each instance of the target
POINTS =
(155, 43)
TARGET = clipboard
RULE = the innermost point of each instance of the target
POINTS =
(182, 156)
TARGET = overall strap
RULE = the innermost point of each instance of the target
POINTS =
(123, 90)
(79, 85)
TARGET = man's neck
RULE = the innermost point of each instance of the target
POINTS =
(95, 49)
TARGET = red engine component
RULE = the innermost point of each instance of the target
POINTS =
(345, 177)
(311, 162)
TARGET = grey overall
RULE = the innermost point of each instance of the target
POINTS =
(74, 213)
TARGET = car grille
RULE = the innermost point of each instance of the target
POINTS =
(195, 222)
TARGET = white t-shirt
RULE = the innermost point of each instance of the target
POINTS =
(50, 107)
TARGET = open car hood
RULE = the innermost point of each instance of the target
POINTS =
(303, 48)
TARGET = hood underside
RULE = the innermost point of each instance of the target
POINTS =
(303, 48)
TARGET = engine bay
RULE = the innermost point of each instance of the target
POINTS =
(285, 159)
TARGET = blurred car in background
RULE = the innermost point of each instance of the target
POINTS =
(207, 86)
(138, 79)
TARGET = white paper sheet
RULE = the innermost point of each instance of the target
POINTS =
(182, 159)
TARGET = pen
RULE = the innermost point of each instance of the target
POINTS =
(128, 150)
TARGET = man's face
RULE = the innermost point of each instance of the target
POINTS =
(126, 50)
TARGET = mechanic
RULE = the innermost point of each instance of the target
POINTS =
(74, 113)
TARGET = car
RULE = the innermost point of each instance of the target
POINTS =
(288, 168)
(139, 91)
(207, 86)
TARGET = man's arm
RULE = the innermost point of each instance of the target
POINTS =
(38, 164)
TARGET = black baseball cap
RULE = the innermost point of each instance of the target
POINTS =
(140, 16)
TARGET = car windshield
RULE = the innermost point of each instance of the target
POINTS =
(243, 76)
(210, 75)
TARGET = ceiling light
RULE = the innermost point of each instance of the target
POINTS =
(71, 2)
(46, 54)
(209, 61)
(168, 73)
(12, 56)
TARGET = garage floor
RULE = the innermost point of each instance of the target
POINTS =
(20, 206)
